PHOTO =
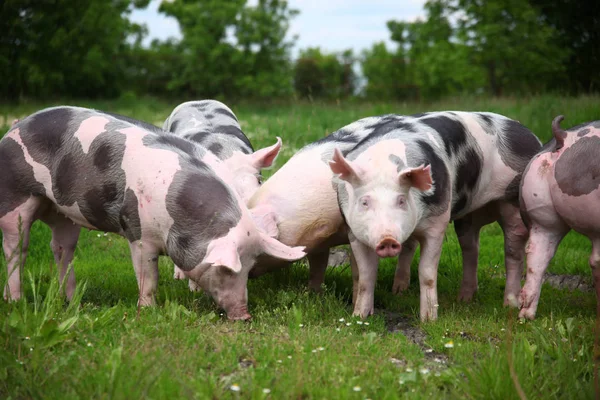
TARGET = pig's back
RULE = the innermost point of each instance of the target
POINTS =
(211, 124)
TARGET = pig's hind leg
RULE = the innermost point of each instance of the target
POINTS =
(16, 226)
(65, 235)
(467, 231)
(542, 245)
(317, 263)
(145, 262)
(515, 239)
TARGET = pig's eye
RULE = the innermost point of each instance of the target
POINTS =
(365, 202)
(259, 178)
(401, 201)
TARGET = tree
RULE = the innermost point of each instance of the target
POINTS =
(577, 24)
(317, 74)
(72, 47)
(508, 38)
(232, 50)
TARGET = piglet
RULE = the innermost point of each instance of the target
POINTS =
(72, 167)
(560, 191)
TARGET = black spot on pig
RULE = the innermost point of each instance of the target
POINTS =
(577, 171)
(173, 126)
(129, 217)
(440, 196)
(517, 145)
(387, 124)
(341, 135)
(65, 179)
(452, 132)
(103, 157)
(232, 130)
(45, 133)
(583, 132)
(487, 123)
(136, 122)
(203, 209)
(468, 170)
(100, 206)
(17, 181)
(398, 161)
(209, 116)
(511, 193)
(459, 206)
(419, 115)
(215, 148)
(226, 113)
(173, 141)
(198, 137)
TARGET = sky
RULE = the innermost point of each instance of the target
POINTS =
(332, 25)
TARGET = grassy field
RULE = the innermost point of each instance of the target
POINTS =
(298, 345)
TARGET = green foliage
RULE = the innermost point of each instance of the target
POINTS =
(74, 47)
(320, 75)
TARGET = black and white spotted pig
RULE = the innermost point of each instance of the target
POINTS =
(475, 158)
(412, 175)
(560, 191)
(72, 167)
(213, 125)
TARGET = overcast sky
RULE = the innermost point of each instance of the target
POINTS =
(333, 25)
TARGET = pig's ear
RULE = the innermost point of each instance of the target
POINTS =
(419, 177)
(275, 248)
(223, 252)
(265, 219)
(264, 158)
(344, 168)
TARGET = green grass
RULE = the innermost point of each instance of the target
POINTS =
(296, 346)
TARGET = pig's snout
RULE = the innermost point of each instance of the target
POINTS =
(238, 313)
(388, 247)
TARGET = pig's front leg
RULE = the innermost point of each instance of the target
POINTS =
(542, 245)
(366, 263)
(145, 262)
(402, 276)
(317, 263)
(431, 249)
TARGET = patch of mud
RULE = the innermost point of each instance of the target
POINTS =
(397, 323)
(570, 282)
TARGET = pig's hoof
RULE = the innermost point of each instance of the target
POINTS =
(178, 274)
(399, 287)
(363, 313)
(526, 313)
(466, 295)
(146, 301)
(194, 287)
(318, 289)
(8, 296)
(241, 317)
(512, 301)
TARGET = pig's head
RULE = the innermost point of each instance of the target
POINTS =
(246, 168)
(224, 270)
(380, 204)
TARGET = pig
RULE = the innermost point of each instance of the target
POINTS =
(73, 167)
(474, 162)
(560, 191)
(213, 125)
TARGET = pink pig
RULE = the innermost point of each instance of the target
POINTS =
(560, 191)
